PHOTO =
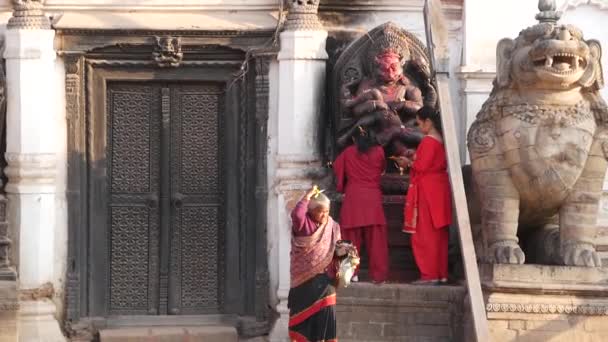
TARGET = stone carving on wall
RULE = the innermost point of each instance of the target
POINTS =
(539, 146)
(168, 51)
(28, 14)
(6, 273)
(379, 82)
(302, 15)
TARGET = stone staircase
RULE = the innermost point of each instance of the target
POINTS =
(401, 312)
(214, 333)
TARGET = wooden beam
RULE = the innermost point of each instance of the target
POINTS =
(432, 16)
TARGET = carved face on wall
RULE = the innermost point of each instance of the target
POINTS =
(548, 56)
(389, 68)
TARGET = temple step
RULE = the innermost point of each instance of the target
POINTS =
(400, 312)
(214, 333)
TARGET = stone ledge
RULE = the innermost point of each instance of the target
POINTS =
(544, 279)
(170, 334)
(398, 294)
(9, 308)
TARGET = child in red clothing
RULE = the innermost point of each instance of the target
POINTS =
(358, 170)
(428, 205)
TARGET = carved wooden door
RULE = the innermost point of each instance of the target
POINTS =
(196, 195)
(157, 196)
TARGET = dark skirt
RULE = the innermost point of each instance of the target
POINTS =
(312, 314)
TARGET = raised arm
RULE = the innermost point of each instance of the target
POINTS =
(298, 214)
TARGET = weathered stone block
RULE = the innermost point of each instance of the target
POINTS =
(546, 303)
(170, 334)
(396, 330)
(400, 312)
(553, 325)
(9, 308)
(596, 324)
(363, 331)
(517, 325)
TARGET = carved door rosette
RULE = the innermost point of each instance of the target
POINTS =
(168, 51)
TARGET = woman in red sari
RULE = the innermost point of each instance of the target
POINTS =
(358, 170)
(428, 204)
(312, 296)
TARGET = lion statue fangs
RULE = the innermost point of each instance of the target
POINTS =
(538, 148)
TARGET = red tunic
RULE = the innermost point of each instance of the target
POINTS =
(358, 177)
(429, 187)
(428, 210)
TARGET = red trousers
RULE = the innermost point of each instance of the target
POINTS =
(377, 248)
(430, 246)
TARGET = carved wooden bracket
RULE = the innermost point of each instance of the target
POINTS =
(168, 51)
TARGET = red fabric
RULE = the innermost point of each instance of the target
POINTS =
(428, 209)
(429, 184)
(358, 177)
(296, 337)
(430, 247)
(377, 248)
(311, 310)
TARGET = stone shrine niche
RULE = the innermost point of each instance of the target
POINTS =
(378, 83)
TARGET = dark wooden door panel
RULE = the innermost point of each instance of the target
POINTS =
(158, 194)
(197, 197)
(133, 217)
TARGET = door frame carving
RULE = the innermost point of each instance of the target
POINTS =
(93, 54)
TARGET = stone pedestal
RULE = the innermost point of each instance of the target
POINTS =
(9, 309)
(37, 322)
(33, 142)
(546, 303)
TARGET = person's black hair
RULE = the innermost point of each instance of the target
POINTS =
(430, 113)
(363, 140)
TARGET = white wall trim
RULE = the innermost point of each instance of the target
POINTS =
(602, 4)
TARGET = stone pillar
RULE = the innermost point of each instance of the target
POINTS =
(31, 154)
(475, 88)
(301, 86)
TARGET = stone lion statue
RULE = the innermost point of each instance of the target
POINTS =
(539, 146)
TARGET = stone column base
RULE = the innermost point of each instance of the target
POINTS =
(9, 309)
(280, 330)
(37, 322)
(545, 303)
